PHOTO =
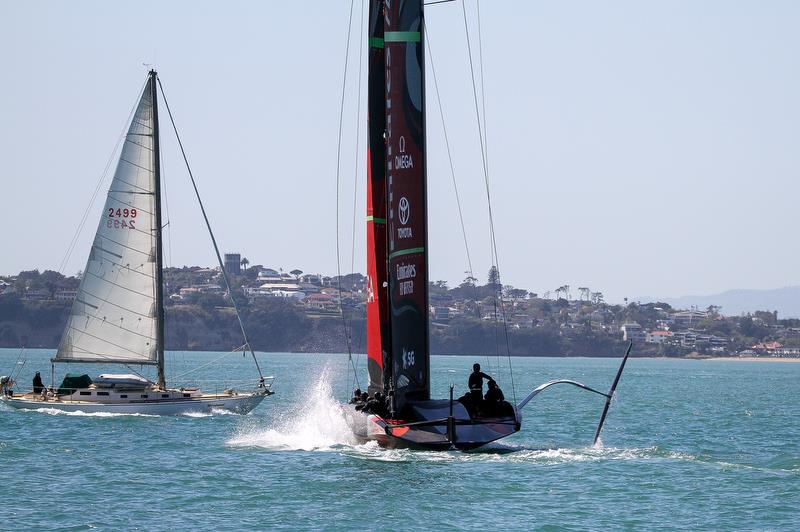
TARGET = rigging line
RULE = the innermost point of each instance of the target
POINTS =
(176, 377)
(210, 232)
(138, 374)
(483, 85)
(486, 151)
(449, 154)
(357, 166)
(488, 196)
(452, 170)
(338, 178)
(103, 175)
(168, 225)
(358, 135)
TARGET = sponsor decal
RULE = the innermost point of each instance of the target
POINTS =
(405, 210)
(408, 358)
(403, 160)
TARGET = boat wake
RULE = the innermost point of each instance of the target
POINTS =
(214, 412)
(79, 413)
(316, 425)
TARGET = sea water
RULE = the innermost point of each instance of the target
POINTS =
(687, 444)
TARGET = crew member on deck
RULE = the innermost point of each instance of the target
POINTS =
(6, 384)
(38, 385)
(476, 383)
(356, 396)
(494, 395)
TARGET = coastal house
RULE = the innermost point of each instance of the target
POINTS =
(658, 337)
(65, 295)
(36, 295)
(633, 332)
(687, 318)
(319, 303)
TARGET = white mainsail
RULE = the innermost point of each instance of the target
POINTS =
(113, 317)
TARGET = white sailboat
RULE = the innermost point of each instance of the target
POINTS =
(118, 313)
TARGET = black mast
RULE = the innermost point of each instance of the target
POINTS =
(159, 251)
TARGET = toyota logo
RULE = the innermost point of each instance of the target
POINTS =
(405, 210)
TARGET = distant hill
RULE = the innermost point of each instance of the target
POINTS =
(735, 302)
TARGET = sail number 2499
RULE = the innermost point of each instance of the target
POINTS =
(121, 218)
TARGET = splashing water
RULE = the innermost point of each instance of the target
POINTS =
(318, 424)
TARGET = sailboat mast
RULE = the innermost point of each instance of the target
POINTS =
(159, 303)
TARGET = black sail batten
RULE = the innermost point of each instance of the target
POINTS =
(159, 302)
(407, 201)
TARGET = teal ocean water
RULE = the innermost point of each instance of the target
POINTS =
(688, 444)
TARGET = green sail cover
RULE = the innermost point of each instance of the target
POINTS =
(73, 381)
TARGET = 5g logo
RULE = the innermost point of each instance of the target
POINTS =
(408, 358)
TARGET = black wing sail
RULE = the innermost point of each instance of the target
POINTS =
(407, 200)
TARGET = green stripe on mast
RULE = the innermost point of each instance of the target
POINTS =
(401, 36)
(409, 251)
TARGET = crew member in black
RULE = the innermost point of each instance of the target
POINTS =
(379, 408)
(376, 405)
(494, 395)
(476, 384)
(356, 396)
(364, 402)
(38, 385)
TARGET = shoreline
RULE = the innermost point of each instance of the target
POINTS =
(756, 359)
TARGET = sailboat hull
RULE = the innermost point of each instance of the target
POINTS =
(429, 428)
(238, 404)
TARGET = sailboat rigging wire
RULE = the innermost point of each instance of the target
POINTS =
(240, 348)
(483, 85)
(486, 150)
(356, 164)
(210, 232)
(449, 154)
(345, 327)
(103, 175)
(452, 170)
(488, 198)
(166, 225)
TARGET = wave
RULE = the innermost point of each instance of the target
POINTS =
(316, 425)
(80, 413)
(214, 412)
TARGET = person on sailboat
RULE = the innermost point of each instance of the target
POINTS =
(38, 385)
(476, 383)
(494, 395)
(376, 405)
(356, 396)
(6, 385)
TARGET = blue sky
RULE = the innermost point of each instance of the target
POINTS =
(638, 148)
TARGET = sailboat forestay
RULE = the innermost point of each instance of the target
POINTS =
(117, 316)
(401, 412)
